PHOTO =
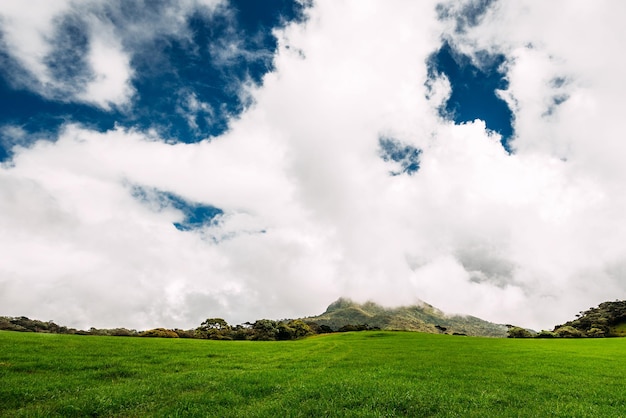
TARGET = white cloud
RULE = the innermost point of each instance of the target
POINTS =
(311, 213)
(25, 32)
(111, 71)
(192, 108)
(11, 135)
(28, 37)
(574, 42)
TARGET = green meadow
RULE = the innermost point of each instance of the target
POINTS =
(368, 374)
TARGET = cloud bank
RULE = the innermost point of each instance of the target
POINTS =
(310, 180)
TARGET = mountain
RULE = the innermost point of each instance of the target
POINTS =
(423, 318)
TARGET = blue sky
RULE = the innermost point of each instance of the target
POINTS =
(183, 87)
(167, 162)
(187, 91)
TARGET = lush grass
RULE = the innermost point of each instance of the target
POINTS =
(353, 374)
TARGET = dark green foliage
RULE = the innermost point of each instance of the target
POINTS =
(607, 320)
(123, 332)
(596, 333)
(618, 330)
(185, 333)
(159, 333)
(324, 329)
(293, 329)
(517, 332)
(24, 324)
(242, 332)
(565, 331)
(265, 330)
(214, 329)
(360, 327)
(546, 334)
(319, 329)
(101, 332)
(261, 330)
(215, 324)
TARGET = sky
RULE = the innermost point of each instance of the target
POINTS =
(166, 162)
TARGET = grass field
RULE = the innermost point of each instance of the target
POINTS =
(354, 374)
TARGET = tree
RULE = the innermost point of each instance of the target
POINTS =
(265, 330)
(596, 332)
(518, 332)
(301, 329)
(215, 323)
(159, 333)
(567, 331)
(285, 332)
(293, 329)
(213, 328)
(242, 332)
(546, 334)
(185, 333)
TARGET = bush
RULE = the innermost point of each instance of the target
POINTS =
(359, 327)
(596, 332)
(546, 334)
(567, 331)
(517, 332)
(182, 333)
(159, 333)
(122, 332)
(265, 330)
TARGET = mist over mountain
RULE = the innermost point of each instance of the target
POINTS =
(423, 318)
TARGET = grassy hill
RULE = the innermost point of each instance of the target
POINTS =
(423, 318)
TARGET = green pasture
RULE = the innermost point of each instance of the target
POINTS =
(368, 374)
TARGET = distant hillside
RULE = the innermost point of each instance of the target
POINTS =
(607, 320)
(341, 315)
(424, 318)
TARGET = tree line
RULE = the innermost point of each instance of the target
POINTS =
(606, 320)
(211, 329)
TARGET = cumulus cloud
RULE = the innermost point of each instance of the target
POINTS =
(309, 210)
(24, 32)
(96, 39)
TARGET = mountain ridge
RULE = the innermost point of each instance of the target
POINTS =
(423, 318)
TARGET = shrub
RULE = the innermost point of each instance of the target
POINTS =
(567, 331)
(546, 334)
(122, 332)
(185, 333)
(596, 332)
(159, 333)
(518, 332)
